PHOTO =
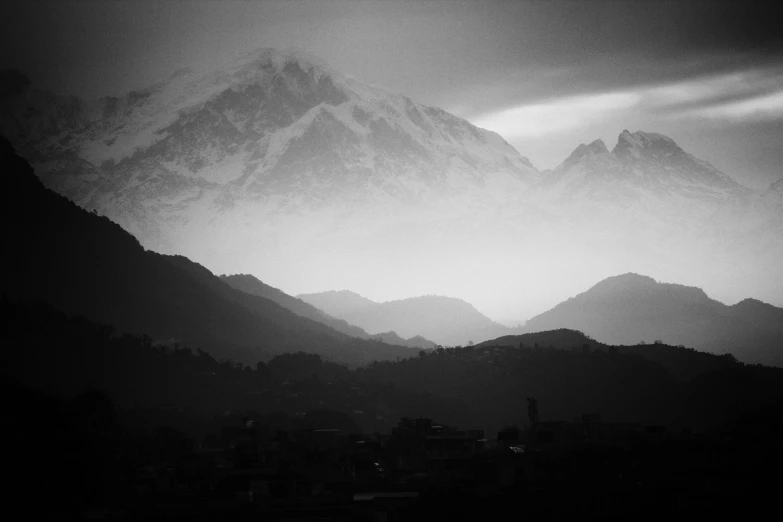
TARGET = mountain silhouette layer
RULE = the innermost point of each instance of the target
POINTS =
(85, 264)
(444, 320)
(631, 308)
(251, 285)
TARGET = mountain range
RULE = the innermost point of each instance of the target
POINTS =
(279, 166)
(445, 320)
(273, 147)
(84, 264)
(631, 308)
(250, 285)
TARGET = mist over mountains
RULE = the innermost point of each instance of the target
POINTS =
(279, 166)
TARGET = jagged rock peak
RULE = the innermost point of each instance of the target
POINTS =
(279, 58)
(596, 147)
(265, 63)
(639, 143)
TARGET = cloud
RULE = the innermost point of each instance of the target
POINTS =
(766, 107)
(700, 89)
(557, 115)
(748, 95)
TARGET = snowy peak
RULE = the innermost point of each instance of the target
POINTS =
(640, 145)
(280, 58)
(594, 148)
(269, 125)
(292, 63)
(642, 165)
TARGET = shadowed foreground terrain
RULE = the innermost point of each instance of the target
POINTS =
(147, 431)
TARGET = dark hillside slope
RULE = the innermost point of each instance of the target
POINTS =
(681, 362)
(620, 385)
(85, 264)
(250, 285)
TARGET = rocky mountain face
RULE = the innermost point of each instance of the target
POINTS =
(279, 166)
(444, 320)
(276, 133)
(630, 308)
(642, 164)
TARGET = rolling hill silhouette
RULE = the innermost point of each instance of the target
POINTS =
(444, 320)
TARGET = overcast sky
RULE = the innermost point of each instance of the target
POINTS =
(545, 75)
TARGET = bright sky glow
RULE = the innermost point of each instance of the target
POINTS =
(734, 99)
(557, 115)
(766, 107)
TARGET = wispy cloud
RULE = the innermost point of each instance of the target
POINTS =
(557, 115)
(767, 107)
(740, 96)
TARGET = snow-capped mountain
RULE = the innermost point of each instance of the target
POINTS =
(669, 212)
(642, 164)
(276, 131)
(279, 166)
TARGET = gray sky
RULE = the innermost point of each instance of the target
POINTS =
(545, 75)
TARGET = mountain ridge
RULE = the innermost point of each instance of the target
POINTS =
(443, 320)
(630, 308)
(84, 264)
(251, 285)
